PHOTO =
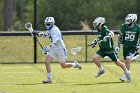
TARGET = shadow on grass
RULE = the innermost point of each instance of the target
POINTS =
(35, 84)
(99, 83)
(30, 84)
(20, 84)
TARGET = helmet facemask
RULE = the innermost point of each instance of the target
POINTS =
(130, 19)
(48, 25)
(49, 22)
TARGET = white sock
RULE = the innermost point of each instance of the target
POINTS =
(101, 68)
(49, 75)
(73, 64)
(127, 71)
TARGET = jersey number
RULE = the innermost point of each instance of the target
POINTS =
(130, 37)
(50, 37)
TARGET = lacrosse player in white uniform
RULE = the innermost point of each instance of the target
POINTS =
(56, 49)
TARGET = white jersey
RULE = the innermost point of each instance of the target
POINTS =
(55, 36)
(59, 51)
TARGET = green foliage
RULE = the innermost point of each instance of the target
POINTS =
(24, 11)
(1, 15)
(69, 13)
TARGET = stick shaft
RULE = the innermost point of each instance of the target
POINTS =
(39, 43)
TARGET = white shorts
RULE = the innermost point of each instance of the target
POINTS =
(59, 53)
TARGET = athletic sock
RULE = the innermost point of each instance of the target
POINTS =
(49, 75)
(73, 64)
(101, 68)
(127, 71)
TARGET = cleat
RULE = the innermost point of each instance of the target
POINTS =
(77, 65)
(128, 76)
(123, 78)
(100, 72)
(136, 58)
(107, 58)
(47, 81)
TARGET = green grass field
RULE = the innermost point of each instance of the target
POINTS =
(26, 78)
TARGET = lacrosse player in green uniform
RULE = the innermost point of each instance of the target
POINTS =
(128, 36)
(106, 47)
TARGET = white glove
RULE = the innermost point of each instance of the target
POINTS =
(105, 38)
(138, 47)
(117, 49)
(46, 49)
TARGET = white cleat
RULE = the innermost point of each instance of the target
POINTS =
(128, 76)
(47, 81)
(107, 58)
(123, 78)
(100, 72)
(136, 58)
(77, 65)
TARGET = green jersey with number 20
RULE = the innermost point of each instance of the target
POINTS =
(130, 35)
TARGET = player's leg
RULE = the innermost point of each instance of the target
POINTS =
(48, 69)
(75, 64)
(98, 63)
(61, 55)
(123, 78)
(115, 58)
(127, 63)
(126, 72)
(128, 54)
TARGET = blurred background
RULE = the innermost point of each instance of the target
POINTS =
(69, 14)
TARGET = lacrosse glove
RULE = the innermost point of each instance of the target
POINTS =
(46, 49)
(117, 49)
(93, 44)
(138, 47)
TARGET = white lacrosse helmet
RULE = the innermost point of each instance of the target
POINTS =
(49, 22)
(130, 19)
(99, 21)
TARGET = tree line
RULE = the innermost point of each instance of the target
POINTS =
(69, 14)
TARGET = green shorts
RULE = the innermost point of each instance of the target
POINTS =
(113, 56)
(129, 52)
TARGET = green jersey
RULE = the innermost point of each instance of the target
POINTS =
(107, 46)
(130, 35)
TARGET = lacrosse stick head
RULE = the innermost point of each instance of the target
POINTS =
(74, 51)
(29, 26)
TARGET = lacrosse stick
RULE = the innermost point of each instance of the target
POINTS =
(74, 51)
(30, 29)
